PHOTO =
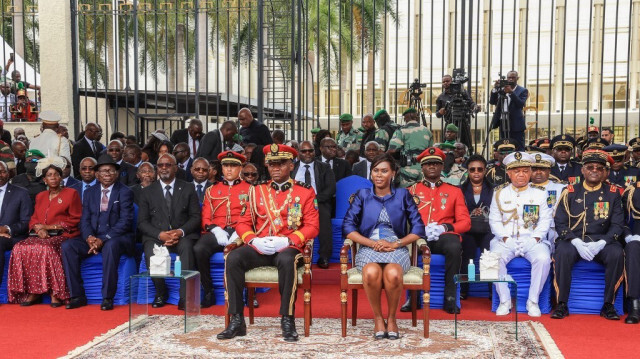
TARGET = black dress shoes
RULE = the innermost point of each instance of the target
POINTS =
(609, 312)
(288, 325)
(561, 311)
(107, 304)
(634, 312)
(209, 300)
(76, 302)
(56, 304)
(181, 304)
(237, 328)
(450, 306)
(159, 301)
(323, 263)
(31, 302)
(406, 307)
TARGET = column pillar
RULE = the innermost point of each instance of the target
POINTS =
(596, 54)
(558, 73)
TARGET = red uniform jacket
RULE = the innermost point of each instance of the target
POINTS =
(224, 203)
(65, 210)
(291, 212)
(443, 204)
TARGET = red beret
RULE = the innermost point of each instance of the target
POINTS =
(231, 157)
(276, 152)
(431, 154)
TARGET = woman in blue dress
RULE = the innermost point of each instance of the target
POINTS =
(377, 220)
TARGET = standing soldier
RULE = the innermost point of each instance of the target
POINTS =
(565, 169)
(589, 220)
(631, 201)
(224, 203)
(620, 173)
(348, 136)
(386, 128)
(282, 217)
(409, 142)
(496, 174)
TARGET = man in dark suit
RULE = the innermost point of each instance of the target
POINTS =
(19, 151)
(200, 174)
(190, 135)
(127, 172)
(87, 146)
(15, 213)
(169, 215)
(67, 180)
(319, 175)
(217, 141)
(329, 148)
(565, 169)
(183, 156)
(87, 175)
(253, 131)
(146, 175)
(106, 227)
(514, 100)
(6, 135)
(363, 168)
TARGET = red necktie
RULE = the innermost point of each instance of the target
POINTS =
(193, 153)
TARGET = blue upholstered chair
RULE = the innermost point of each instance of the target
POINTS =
(587, 289)
(520, 270)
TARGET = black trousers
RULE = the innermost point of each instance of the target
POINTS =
(242, 259)
(184, 248)
(632, 267)
(206, 246)
(5, 245)
(566, 255)
(470, 244)
(326, 233)
(449, 245)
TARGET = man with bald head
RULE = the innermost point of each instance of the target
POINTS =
(126, 172)
(251, 130)
(87, 146)
(190, 135)
(217, 141)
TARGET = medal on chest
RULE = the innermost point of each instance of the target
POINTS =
(551, 198)
(294, 214)
(530, 214)
(600, 210)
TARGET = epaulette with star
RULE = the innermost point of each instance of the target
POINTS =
(537, 187)
(303, 184)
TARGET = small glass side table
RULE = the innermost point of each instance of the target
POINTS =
(464, 278)
(139, 298)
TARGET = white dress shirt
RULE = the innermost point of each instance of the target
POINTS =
(324, 160)
(301, 171)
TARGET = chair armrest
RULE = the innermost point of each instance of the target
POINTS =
(231, 246)
(344, 251)
(307, 250)
(426, 254)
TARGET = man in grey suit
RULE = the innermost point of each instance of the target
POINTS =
(217, 141)
(363, 168)
(169, 215)
(319, 175)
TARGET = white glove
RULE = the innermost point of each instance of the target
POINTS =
(596, 247)
(233, 237)
(632, 237)
(527, 244)
(221, 235)
(519, 250)
(434, 230)
(279, 243)
(263, 245)
(582, 248)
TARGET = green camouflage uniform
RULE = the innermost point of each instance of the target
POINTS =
(350, 141)
(411, 140)
(456, 175)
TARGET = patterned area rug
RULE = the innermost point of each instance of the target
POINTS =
(162, 337)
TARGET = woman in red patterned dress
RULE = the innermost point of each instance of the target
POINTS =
(35, 267)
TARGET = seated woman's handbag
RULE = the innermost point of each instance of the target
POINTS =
(480, 222)
(52, 232)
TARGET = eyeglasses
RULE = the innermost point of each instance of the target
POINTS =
(593, 168)
(107, 172)
(330, 146)
(475, 169)
(307, 151)
(114, 150)
(85, 168)
(200, 169)
(165, 165)
(250, 174)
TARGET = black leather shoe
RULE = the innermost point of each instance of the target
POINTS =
(31, 302)
(237, 328)
(609, 312)
(323, 263)
(56, 304)
(406, 307)
(288, 325)
(634, 312)
(159, 301)
(107, 304)
(76, 302)
(450, 306)
(209, 300)
(181, 304)
(561, 311)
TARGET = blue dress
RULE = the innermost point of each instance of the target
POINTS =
(383, 232)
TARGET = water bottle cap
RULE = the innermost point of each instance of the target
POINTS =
(177, 258)
(470, 261)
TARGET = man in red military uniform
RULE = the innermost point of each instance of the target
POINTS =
(281, 217)
(445, 215)
(224, 203)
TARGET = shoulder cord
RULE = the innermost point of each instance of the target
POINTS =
(412, 190)
(513, 212)
(564, 197)
(223, 200)
(633, 211)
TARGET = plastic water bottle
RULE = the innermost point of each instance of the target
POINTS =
(177, 267)
(471, 270)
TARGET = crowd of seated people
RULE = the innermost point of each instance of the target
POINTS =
(560, 201)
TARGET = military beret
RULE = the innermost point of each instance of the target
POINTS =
(315, 130)
(378, 114)
(409, 110)
(346, 117)
(451, 127)
(34, 152)
(593, 129)
(446, 145)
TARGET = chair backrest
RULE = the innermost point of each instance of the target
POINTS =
(345, 188)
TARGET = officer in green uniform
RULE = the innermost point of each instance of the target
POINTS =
(348, 136)
(408, 142)
(314, 132)
(386, 128)
(450, 134)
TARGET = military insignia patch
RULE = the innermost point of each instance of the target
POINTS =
(551, 199)
(518, 156)
(613, 188)
(629, 180)
(570, 188)
(416, 199)
(574, 180)
(530, 214)
(432, 151)
(274, 149)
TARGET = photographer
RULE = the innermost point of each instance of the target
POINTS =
(456, 106)
(446, 96)
(514, 98)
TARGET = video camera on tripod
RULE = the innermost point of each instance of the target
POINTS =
(414, 92)
(502, 82)
(458, 78)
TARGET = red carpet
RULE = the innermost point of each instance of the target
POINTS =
(44, 332)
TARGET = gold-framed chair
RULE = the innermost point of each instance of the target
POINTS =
(267, 277)
(414, 280)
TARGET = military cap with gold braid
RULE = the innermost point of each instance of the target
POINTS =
(562, 141)
(431, 154)
(276, 152)
(542, 160)
(597, 156)
(518, 159)
(635, 144)
(617, 152)
(505, 144)
(596, 144)
(231, 157)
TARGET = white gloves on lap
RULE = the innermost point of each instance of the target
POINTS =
(264, 245)
(596, 247)
(632, 237)
(434, 230)
(279, 243)
(221, 236)
(582, 248)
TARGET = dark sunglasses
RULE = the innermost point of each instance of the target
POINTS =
(476, 169)
(165, 165)
(595, 168)
(200, 169)
(307, 151)
(250, 174)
